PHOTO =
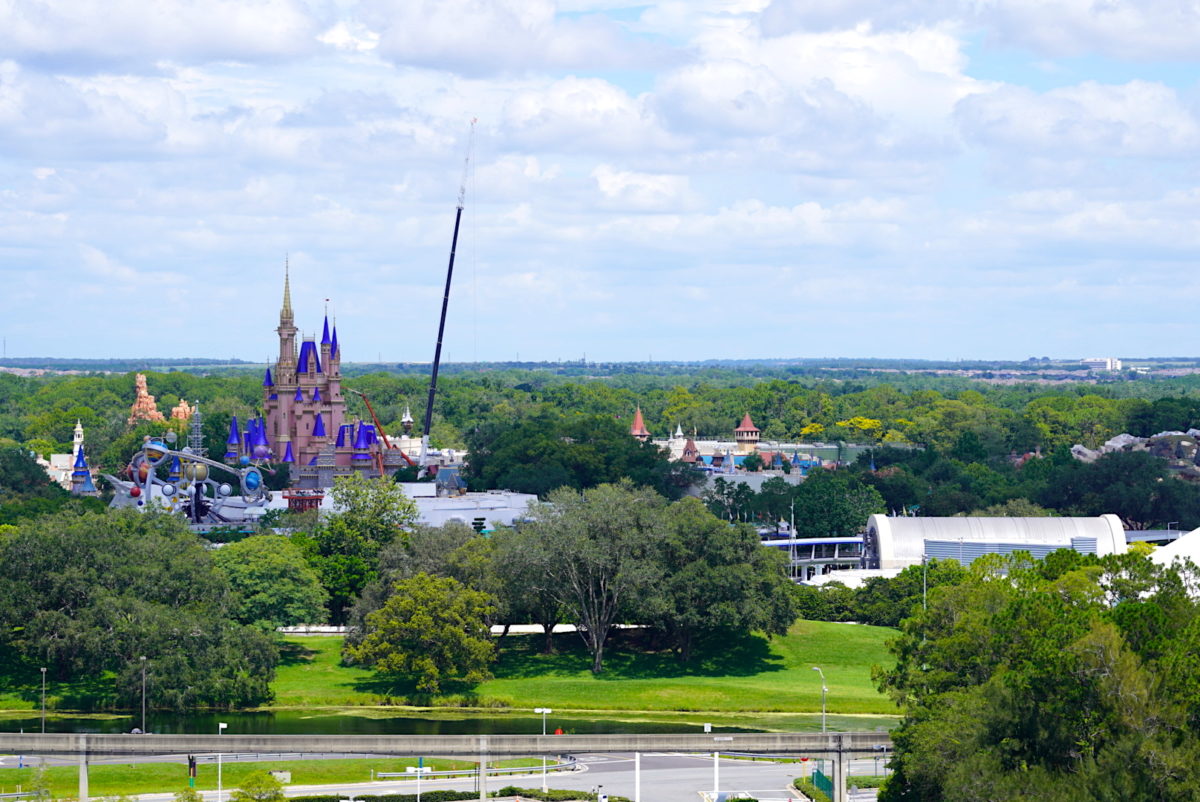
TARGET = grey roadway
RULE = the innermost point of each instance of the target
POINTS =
(840, 748)
(665, 778)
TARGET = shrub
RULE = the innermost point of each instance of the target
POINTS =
(805, 786)
(553, 795)
(426, 796)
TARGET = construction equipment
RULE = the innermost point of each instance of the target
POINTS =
(379, 428)
(437, 353)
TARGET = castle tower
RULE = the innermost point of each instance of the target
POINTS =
(77, 446)
(746, 435)
(302, 395)
(81, 477)
(638, 429)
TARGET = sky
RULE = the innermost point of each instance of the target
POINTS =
(709, 179)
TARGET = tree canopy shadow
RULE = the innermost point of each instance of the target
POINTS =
(632, 655)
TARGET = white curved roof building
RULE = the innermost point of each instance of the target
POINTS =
(896, 543)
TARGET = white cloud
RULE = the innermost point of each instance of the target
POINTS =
(80, 34)
(1134, 29)
(479, 37)
(1138, 119)
(628, 189)
(1150, 30)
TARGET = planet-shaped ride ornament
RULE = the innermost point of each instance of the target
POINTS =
(135, 491)
(243, 460)
(252, 480)
(261, 452)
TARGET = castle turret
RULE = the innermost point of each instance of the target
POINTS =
(638, 429)
(746, 435)
(77, 444)
(81, 477)
(234, 442)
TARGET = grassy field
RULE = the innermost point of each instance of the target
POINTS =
(749, 676)
(142, 778)
(753, 675)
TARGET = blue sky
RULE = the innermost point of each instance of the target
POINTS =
(687, 180)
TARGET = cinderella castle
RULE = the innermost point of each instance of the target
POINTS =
(304, 413)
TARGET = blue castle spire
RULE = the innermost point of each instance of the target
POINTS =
(325, 333)
(267, 382)
(362, 442)
(333, 350)
(319, 426)
(287, 453)
(316, 394)
(299, 395)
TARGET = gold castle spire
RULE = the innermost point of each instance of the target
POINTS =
(285, 314)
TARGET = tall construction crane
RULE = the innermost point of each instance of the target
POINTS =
(423, 461)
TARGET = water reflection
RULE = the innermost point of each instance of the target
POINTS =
(302, 722)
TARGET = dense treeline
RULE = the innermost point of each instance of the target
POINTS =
(40, 412)
(1063, 679)
(87, 596)
(965, 481)
(614, 554)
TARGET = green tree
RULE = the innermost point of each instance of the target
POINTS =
(275, 585)
(344, 548)
(259, 786)
(716, 579)
(605, 540)
(547, 450)
(88, 595)
(833, 504)
(432, 630)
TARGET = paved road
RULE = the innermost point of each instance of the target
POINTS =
(666, 777)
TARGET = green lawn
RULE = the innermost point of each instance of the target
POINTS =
(753, 675)
(142, 778)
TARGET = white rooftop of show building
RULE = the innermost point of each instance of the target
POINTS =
(896, 543)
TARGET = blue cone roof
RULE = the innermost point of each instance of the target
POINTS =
(308, 350)
(234, 437)
(316, 394)
(325, 333)
(267, 382)
(334, 348)
(299, 395)
(287, 453)
(319, 426)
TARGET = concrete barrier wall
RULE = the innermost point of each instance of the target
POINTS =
(848, 744)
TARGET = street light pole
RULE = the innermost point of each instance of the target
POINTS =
(824, 690)
(545, 711)
(220, 731)
(143, 694)
(43, 700)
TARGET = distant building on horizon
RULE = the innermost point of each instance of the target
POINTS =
(1102, 363)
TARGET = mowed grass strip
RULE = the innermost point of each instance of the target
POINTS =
(107, 779)
(752, 674)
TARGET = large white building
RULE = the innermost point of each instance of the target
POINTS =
(891, 544)
(897, 543)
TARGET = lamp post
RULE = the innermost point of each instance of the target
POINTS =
(143, 659)
(220, 731)
(545, 711)
(824, 690)
(43, 700)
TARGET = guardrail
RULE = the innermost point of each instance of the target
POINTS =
(569, 764)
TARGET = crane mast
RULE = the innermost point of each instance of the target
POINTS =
(437, 352)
